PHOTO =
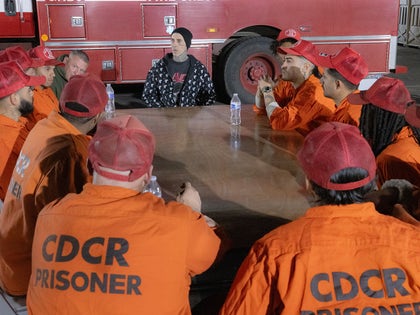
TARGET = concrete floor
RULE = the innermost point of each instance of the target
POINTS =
(409, 57)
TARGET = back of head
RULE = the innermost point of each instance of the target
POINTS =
(83, 96)
(122, 144)
(386, 93)
(332, 148)
(412, 114)
(349, 63)
(12, 78)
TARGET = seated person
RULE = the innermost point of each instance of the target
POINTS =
(287, 38)
(341, 256)
(178, 79)
(51, 164)
(45, 100)
(340, 78)
(16, 102)
(307, 107)
(395, 143)
(128, 252)
(75, 63)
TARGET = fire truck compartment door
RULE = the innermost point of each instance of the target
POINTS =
(159, 20)
(67, 21)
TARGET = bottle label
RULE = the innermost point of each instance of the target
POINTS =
(235, 106)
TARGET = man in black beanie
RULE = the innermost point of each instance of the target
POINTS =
(178, 79)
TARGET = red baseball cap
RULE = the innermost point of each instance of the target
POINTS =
(288, 33)
(21, 56)
(333, 147)
(386, 93)
(122, 143)
(302, 48)
(412, 114)
(12, 78)
(349, 63)
(45, 56)
(88, 91)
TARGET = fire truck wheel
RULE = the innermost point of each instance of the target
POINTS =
(240, 66)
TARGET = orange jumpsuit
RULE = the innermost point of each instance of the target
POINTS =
(52, 163)
(12, 135)
(347, 113)
(334, 260)
(123, 253)
(304, 109)
(45, 101)
(400, 159)
(283, 92)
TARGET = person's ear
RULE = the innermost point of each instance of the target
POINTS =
(14, 99)
(338, 83)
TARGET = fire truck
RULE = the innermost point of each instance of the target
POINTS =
(231, 37)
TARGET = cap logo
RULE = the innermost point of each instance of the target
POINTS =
(48, 53)
(291, 33)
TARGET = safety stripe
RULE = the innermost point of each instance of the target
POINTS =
(166, 42)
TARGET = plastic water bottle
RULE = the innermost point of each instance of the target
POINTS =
(235, 137)
(153, 187)
(110, 105)
(235, 110)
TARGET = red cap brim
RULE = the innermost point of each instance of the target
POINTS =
(36, 80)
(412, 115)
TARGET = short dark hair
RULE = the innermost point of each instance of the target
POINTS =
(343, 197)
(81, 54)
(337, 75)
(277, 43)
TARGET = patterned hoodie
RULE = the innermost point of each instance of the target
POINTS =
(197, 88)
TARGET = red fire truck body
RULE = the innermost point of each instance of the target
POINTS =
(231, 37)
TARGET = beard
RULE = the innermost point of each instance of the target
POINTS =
(26, 107)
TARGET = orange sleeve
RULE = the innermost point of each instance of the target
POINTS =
(400, 160)
(45, 101)
(305, 111)
(250, 291)
(203, 247)
(283, 93)
(11, 141)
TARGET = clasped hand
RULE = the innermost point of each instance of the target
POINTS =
(189, 196)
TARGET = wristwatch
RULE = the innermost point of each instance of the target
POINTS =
(267, 89)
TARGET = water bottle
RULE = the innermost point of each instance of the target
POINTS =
(153, 187)
(235, 110)
(235, 137)
(110, 105)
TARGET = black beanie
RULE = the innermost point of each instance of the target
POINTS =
(186, 34)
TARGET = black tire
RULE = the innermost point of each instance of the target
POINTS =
(241, 64)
